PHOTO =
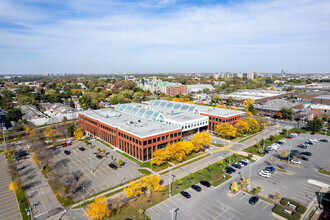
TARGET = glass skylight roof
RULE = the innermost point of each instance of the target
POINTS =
(176, 106)
(140, 111)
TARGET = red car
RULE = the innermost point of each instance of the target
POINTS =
(288, 137)
(64, 144)
(298, 132)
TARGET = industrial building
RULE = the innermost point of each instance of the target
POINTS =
(258, 96)
(140, 129)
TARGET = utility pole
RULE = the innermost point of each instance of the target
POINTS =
(170, 180)
(250, 176)
(289, 151)
(66, 132)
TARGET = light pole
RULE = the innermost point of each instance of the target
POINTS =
(250, 176)
(170, 180)
(66, 133)
(90, 157)
(84, 193)
(4, 132)
(289, 151)
(172, 211)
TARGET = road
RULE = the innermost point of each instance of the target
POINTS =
(39, 193)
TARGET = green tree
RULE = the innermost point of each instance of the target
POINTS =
(230, 101)
(287, 113)
(314, 125)
(14, 114)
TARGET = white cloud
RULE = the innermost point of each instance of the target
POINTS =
(260, 36)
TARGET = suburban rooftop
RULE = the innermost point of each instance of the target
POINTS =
(138, 126)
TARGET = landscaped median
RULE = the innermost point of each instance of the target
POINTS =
(258, 147)
(289, 209)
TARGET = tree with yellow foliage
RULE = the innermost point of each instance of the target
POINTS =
(248, 114)
(134, 189)
(200, 139)
(226, 130)
(176, 151)
(99, 209)
(283, 153)
(13, 186)
(245, 182)
(152, 183)
(233, 108)
(79, 133)
(188, 146)
(159, 157)
(175, 99)
(234, 187)
(272, 88)
(242, 127)
(247, 104)
(253, 124)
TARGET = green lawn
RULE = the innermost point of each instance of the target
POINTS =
(324, 171)
(23, 203)
(144, 172)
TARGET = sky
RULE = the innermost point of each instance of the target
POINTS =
(164, 36)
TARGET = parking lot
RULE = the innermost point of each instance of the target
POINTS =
(293, 184)
(94, 174)
(211, 203)
(8, 204)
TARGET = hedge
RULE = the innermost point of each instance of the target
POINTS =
(278, 209)
(301, 209)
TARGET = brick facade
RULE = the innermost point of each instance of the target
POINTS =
(215, 120)
(176, 90)
(140, 148)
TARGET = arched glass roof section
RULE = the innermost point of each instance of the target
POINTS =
(140, 111)
(175, 106)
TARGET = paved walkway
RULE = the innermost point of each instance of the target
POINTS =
(8, 203)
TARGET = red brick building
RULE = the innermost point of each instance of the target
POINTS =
(138, 137)
(176, 90)
(320, 111)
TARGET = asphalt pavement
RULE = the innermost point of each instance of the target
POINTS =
(8, 203)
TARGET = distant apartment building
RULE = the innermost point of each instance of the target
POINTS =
(199, 88)
(155, 85)
(319, 110)
(176, 90)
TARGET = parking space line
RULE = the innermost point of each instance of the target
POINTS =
(265, 206)
(200, 217)
(95, 189)
(74, 163)
(160, 208)
(154, 212)
(99, 172)
(115, 181)
(170, 200)
(12, 216)
(7, 200)
(88, 192)
(107, 185)
(207, 213)
(166, 204)
(8, 204)
(100, 186)
(230, 208)
(16, 210)
(178, 199)
(81, 195)
(212, 210)
(131, 175)
(221, 213)
(242, 197)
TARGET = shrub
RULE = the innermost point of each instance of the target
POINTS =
(178, 182)
(301, 209)
(295, 216)
(278, 209)
(190, 176)
(200, 171)
(209, 167)
(284, 201)
(99, 149)
(141, 211)
(120, 162)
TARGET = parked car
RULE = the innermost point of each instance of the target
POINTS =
(264, 173)
(253, 200)
(237, 165)
(270, 169)
(288, 137)
(113, 166)
(313, 133)
(67, 152)
(230, 170)
(196, 188)
(246, 161)
(304, 158)
(324, 140)
(205, 183)
(99, 156)
(303, 146)
(298, 132)
(306, 153)
(295, 161)
(66, 143)
(81, 149)
(242, 163)
(94, 154)
(185, 194)
(309, 142)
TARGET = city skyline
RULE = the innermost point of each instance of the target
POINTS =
(164, 36)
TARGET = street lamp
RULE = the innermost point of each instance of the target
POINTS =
(90, 157)
(172, 211)
(84, 193)
(66, 133)
(170, 180)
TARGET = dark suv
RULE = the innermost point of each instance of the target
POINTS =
(197, 188)
(230, 170)
(205, 183)
(113, 166)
